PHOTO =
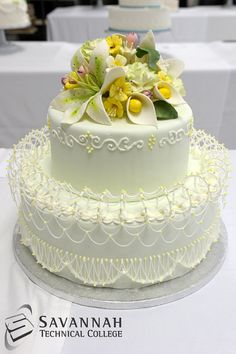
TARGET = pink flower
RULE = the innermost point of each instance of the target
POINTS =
(132, 39)
(148, 93)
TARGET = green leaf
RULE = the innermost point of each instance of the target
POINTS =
(165, 110)
(153, 56)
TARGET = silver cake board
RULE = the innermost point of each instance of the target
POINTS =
(107, 298)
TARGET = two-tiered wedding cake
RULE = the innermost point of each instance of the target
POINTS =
(140, 15)
(119, 190)
(13, 14)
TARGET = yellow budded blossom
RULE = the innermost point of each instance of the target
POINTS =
(120, 90)
(119, 60)
(115, 43)
(163, 76)
(113, 107)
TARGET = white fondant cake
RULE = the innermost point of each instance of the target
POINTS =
(138, 19)
(119, 190)
(13, 14)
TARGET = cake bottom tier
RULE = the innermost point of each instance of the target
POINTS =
(121, 256)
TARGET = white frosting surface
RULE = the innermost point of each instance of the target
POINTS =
(139, 19)
(123, 156)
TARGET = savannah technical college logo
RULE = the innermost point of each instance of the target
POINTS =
(18, 327)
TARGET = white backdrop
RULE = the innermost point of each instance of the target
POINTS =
(30, 79)
(202, 323)
(197, 24)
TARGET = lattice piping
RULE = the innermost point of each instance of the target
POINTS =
(28, 181)
(104, 271)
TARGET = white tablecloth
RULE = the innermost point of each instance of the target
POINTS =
(31, 78)
(197, 24)
(202, 323)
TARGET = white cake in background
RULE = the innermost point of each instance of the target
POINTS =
(138, 18)
(13, 14)
(139, 3)
(140, 15)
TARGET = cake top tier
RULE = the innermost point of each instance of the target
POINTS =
(121, 77)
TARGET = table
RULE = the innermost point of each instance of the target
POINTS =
(31, 78)
(203, 322)
(196, 24)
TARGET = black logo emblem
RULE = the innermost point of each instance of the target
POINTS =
(18, 327)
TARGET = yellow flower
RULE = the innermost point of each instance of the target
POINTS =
(113, 108)
(120, 89)
(119, 60)
(163, 76)
(115, 44)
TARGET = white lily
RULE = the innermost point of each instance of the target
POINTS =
(78, 101)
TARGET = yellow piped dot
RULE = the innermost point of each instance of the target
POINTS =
(135, 105)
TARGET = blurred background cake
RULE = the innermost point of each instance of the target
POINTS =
(139, 15)
(13, 14)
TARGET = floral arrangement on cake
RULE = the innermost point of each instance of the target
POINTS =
(121, 77)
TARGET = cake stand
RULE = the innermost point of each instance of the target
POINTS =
(162, 35)
(7, 47)
(107, 298)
